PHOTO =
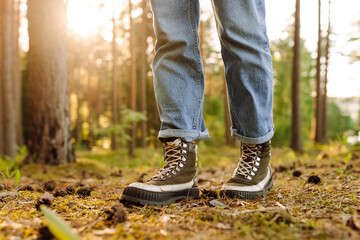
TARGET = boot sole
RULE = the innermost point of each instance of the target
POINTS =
(142, 197)
(248, 195)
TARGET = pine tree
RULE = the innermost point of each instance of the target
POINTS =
(296, 141)
(9, 79)
(132, 143)
(49, 134)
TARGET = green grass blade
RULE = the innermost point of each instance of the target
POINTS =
(3, 175)
(12, 174)
(57, 226)
(17, 177)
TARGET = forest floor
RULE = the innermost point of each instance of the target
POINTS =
(316, 196)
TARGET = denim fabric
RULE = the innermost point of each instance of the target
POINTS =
(179, 80)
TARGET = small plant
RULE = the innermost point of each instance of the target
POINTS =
(128, 117)
(16, 174)
(347, 158)
(58, 226)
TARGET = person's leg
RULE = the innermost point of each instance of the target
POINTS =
(248, 67)
(177, 66)
(179, 90)
(248, 72)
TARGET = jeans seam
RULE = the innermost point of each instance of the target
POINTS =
(234, 119)
(198, 70)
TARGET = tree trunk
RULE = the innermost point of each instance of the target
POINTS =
(114, 107)
(132, 143)
(8, 43)
(143, 74)
(318, 104)
(90, 103)
(296, 141)
(2, 60)
(78, 121)
(17, 75)
(324, 100)
(121, 74)
(99, 102)
(49, 134)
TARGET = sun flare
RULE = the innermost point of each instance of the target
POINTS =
(84, 18)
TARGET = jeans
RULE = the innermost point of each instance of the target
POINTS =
(179, 79)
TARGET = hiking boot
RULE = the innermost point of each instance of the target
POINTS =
(175, 181)
(253, 176)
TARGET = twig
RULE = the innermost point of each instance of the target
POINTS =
(270, 209)
(280, 205)
(112, 199)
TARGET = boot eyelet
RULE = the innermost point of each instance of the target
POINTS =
(184, 145)
(183, 151)
(249, 178)
(254, 169)
(181, 165)
(258, 159)
(252, 173)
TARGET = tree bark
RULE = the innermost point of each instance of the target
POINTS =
(121, 74)
(49, 134)
(296, 141)
(318, 99)
(143, 74)
(17, 74)
(2, 58)
(9, 116)
(78, 121)
(132, 143)
(324, 96)
(114, 107)
(99, 102)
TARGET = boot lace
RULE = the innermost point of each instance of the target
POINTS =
(249, 161)
(173, 158)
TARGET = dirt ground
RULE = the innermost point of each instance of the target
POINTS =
(316, 196)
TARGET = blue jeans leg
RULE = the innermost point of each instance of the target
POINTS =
(177, 66)
(248, 67)
(178, 76)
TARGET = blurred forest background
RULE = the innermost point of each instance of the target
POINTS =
(77, 75)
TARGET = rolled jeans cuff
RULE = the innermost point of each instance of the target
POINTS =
(186, 135)
(258, 140)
